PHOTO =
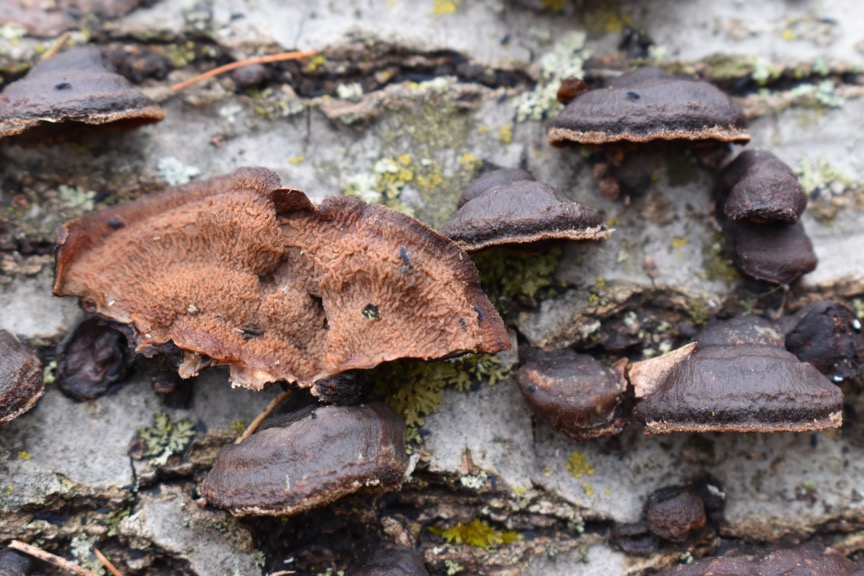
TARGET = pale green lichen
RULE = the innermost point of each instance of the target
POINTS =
(352, 91)
(173, 172)
(474, 481)
(82, 550)
(477, 533)
(819, 175)
(565, 60)
(165, 438)
(822, 94)
(77, 197)
(452, 567)
(509, 277)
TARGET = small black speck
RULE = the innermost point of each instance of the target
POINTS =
(633, 95)
(407, 266)
(370, 312)
(115, 224)
(62, 86)
(463, 324)
(814, 440)
(505, 39)
(251, 331)
(479, 312)
(313, 415)
(532, 388)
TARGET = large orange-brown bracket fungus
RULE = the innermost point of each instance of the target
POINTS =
(234, 270)
(67, 93)
(309, 458)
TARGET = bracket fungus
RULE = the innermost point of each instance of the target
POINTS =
(675, 512)
(736, 377)
(92, 358)
(573, 393)
(759, 187)
(646, 106)
(309, 458)
(773, 253)
(21, 383)
(513, 208)
(70, 92)
(827, 334)
(235, 270)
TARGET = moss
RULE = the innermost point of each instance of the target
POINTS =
(414, 389)
(114, 519)
(165, 438)
(509, 277)
(698, 311)
(476, 533)
(578, 466)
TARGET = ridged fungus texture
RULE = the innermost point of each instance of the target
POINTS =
(804, 560)
(235, 270)
(650, 105)
(572, 393)
(21, 383)
(737, 377)
(520, 211)
(759, 187)
(70, 92)
(308, 459)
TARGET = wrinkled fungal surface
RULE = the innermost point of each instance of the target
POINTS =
(308, 459)
(675, 512)
(759, 187)
(773, 253)
(649, 105)
(521, 212)
(573, 393)
(806, 560)
(735, 379)
(91, 358)
(21, 383)
(388, 560)
(827, 334)
(13, 563)
(234, 271)
(493, 179)
(68, 92)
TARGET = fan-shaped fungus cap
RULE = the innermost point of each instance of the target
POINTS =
(806, 560)
(71, 91)
(775, 253)
(827, 334)
(573, 393)
(235, 272)
(519, 213)
(21, 383)
(310, 459)
(736, 377)
(14, 563)
(649, 105)
(388, 560)
(675, 512)
(759, 187)
(91, 358)
(493, 179)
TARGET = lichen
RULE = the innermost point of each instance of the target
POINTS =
(77, 197)
(477, 533)
(578, 466)
(820, 176)
(509, 277)
(822, 94)
(173, 172)
(82, 550)
(565, 60)
(165, 438)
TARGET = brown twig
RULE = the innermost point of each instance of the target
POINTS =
(61, 41)
(52, 559)
(240, 63)
(107, 563)
(260, 418)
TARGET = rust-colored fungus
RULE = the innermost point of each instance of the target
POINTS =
(649, 105)
(234, 271)
(309, 458)
(759, 187)
(805, 560)
(70, 92)
(736, 378)
(21, 382)
(573, 393)
(521, 211)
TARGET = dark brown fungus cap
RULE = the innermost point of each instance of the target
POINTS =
(827, 334)
(734, 378)
(806, 560)
(523, 212)
(774, 253)
(388, 560)
(91, 358)
(493, 179)
(570, 88)
(649, 105)
(21, 383)
(71, 91)
(51, 19)
(235, 272)
(759, 187)
(675, 512)
(315, 457)
(14, 563)
(573, 393)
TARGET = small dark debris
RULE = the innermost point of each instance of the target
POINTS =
(62, 86)
(370, 312)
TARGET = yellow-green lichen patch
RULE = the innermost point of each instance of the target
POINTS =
(716, 267)
(444, 7)
(511, 278)
(477, 533)
(165, 438)
(578, 466)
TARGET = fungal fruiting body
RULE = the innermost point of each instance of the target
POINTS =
(21, 383)
(235, 270)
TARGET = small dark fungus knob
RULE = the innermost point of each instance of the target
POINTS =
(827, 334)
(93, 357)
(21, 383)
(674, 513)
